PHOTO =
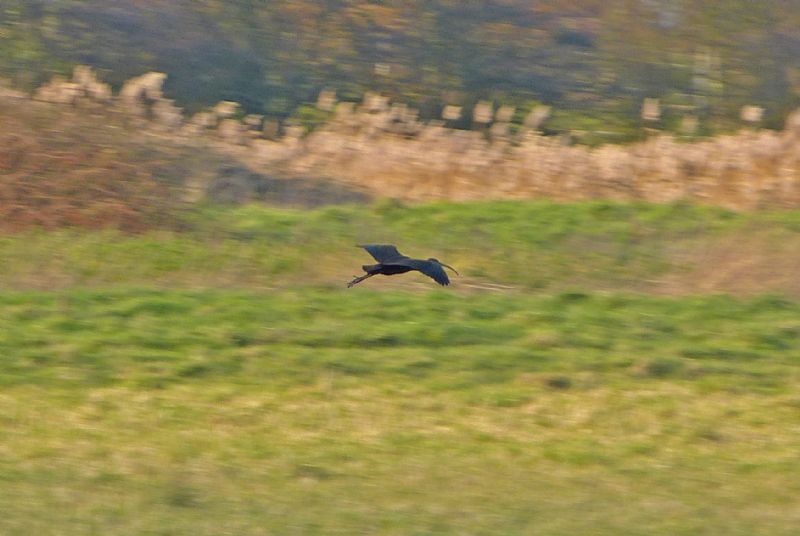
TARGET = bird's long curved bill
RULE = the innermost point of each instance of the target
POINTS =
(448, 266)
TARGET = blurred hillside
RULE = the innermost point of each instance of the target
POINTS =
(594, 62)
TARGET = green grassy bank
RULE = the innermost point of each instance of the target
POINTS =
(541, 246)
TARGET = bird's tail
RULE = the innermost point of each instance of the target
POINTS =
(371, 268)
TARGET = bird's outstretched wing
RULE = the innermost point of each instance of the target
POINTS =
(431, 269)
(383, 253)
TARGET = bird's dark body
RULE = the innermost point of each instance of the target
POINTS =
(386, 269)
(392, 262)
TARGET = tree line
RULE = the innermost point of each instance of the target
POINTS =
(592, 61)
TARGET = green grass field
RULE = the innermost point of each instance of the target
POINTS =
(192, 382)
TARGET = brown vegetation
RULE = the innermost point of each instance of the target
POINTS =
(88, 158)
(410, 160)
(72, 169)
(91, 165)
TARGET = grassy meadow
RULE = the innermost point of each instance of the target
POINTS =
(599, 369)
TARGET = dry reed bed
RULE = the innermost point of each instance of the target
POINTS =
(385, 149)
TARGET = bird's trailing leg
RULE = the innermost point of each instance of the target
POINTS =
(358, 280)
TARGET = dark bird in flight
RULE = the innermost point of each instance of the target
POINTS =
(391, 262)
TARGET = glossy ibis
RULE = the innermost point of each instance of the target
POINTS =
(391, 262)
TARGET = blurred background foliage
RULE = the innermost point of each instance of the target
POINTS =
(596, 59)
(170, 364)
